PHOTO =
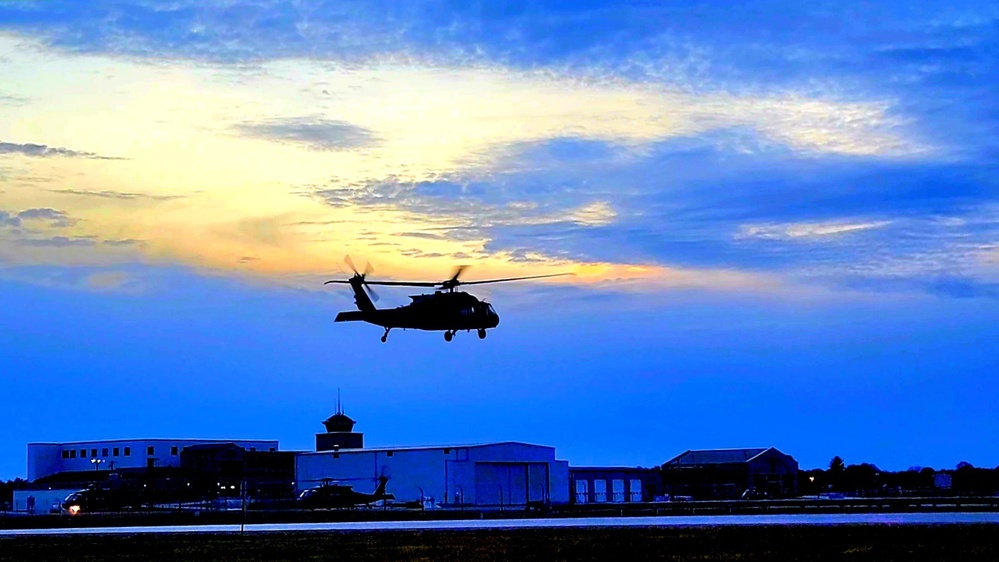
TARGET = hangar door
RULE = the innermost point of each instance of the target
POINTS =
(510, 483)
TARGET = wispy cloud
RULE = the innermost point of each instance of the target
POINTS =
(122, 195)
(805, 230)
(312, 132)
(43, 151)
(58, 241)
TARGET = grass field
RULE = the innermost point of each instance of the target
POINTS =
(881, 543)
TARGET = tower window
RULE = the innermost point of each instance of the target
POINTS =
(150, 450)
(128, 451)
(173, 451)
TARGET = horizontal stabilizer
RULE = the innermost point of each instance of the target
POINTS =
(352, 316)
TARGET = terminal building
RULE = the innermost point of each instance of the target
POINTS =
(46, 459)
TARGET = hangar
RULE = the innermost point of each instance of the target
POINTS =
(494, 474)
(728, 473)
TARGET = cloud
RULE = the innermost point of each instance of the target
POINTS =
(805, 230)
(123, 242)
(57, 219)
(58, 241)
(7, 219)
(122, 195)
(12, 101)
(43, 151)
(312, 132)
(49, 217)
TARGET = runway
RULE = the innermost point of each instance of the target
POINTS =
(506, 524)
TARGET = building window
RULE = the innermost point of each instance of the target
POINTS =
(115, 451)
(388, 454)
(93, 452)
(83, 453)
(336, 455)
(149, 450)
(65, 454)
(104, 452)
(447, 451)
(72, 454)
(173, 451)
(128, 451)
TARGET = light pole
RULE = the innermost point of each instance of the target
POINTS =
(97, 464)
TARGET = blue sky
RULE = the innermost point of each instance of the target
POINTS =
(783, 220)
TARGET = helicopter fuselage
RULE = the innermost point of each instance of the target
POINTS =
(442, 310)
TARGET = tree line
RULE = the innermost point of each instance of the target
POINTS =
(868, 479)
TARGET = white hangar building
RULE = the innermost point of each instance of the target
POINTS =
(492, 474)
(496, 474)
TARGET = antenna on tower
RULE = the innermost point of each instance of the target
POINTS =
(339, 408)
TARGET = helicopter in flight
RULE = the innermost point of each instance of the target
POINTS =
(444, 309)
(335, 496)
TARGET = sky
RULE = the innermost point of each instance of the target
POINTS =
(782, 219)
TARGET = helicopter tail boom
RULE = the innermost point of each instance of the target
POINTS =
(351, 316)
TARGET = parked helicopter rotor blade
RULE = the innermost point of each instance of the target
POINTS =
(513, 279)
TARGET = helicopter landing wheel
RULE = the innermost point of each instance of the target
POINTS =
(448, 335)
(385, 335)
(482, 334)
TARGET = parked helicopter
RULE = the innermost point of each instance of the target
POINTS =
(330, 496)
(445, 309)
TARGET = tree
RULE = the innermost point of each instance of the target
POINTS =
(836, 465)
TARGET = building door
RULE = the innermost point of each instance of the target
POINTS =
(582, 491)
(635, 490)
(502, 484)
(599, 490)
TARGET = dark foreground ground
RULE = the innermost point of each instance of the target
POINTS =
(881, 543)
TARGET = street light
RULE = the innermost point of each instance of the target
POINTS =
(97, 464)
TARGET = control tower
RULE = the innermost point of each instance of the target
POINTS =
(339, 432)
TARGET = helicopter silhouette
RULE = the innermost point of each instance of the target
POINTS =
(336, 496)
(444, 309)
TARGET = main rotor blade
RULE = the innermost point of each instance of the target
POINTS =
(401, 283)
(374, 295)
(457, 273)
(387, 283)
(368, 268)
(513, 279)
(350, 263)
